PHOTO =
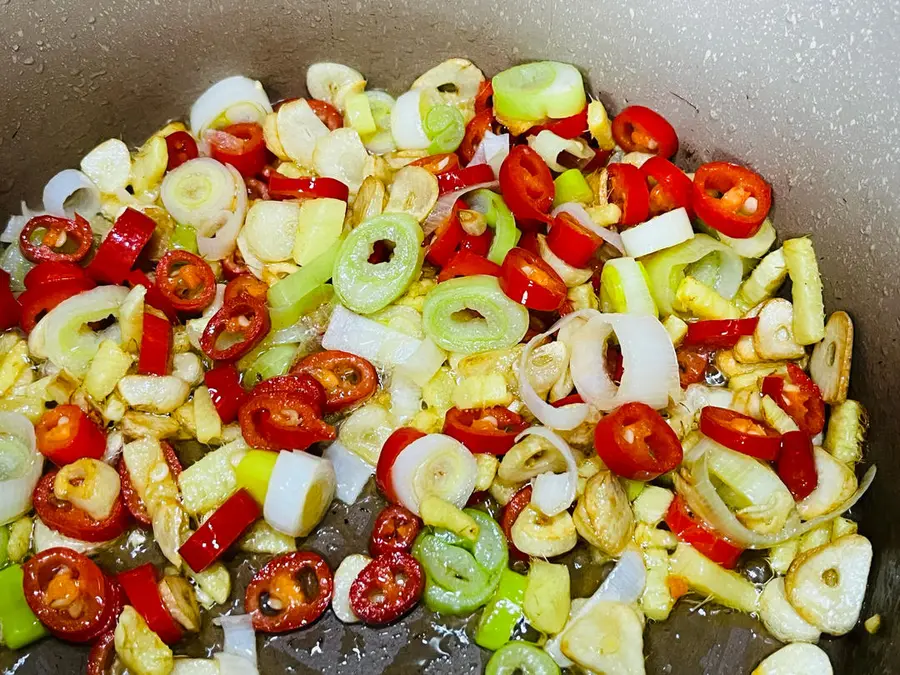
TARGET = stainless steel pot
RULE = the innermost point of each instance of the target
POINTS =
(806, 92)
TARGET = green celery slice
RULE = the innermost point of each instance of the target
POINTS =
(499, 217)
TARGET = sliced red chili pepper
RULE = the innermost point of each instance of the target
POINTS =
(240, 145)
(53, 272)
(640, 129)
(186, 281)
(628, 190)
(10, 311)
(154, 297)
(527, 185)
(245, 321)
(225, 390)
(289, 592)
(484, 99)
(387, 588)
(37, 301)
(327, 113)
(69, 594)
(692, 364)
(528, 280)
(477, 127)
(801, 398)
(529, 241)
(141, 587)
(635, 442)
(282, 421)
(220, 531)
(118, 253)
(395, 529)
(598, 161)
(511, 512)
(568, 400)
(670, 187)
(132, 499)
(567, 127)
(720, 195)
(61, 239)
(102, 654)
(348, 379)
(245, 284)
(156, 346)
(447, 238)
(740, 432)
(182, 148)
(438, 164)
(694, 531)
(66, 434)
(467, 264)
(571, 241)
(459, 179)
(719, 333)
(479, 244)
(68, 519)
(301, 383)
(615, 363)
(283, 187)
(797, 464)
(489, 430)
(234, 265)
(393, 446)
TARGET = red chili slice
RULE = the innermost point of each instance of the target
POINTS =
(304, 385)
(447, 238)
(797, 464)
(234, 265)
(438, 164)
(528, 280)
(670, 188)
(571, 241)
(182, 148)
(282, 421)
(240, 145)
(225, 390)
(118, 253)
(477, 127)
(283, 187)
(156, 346)
(484, 99)
(692, 364)
(47, 273)
(132, 499)
(478, 244)
(245, 284)
(395, 529)
(186, 281)
(387, 588)
(628, 190)
(348, 379)
(721, 191)
(640, 129)
(801, 398)
(459, 179)
(66, 434)
(511, 512)
(740, 432)
(467, 264)
(289, 592)
(567, 127)
(635, 442)
(719, 333)
(220, 530)
(527, 185)
(102, 654)
(245, 320)
(489, 430)
(69, 594)
(140, 585)
(692, 530)
(35, 302)
(56, 239)
(10, 311)
(68, 519)
(154, 297)
(393, 446)
(327, 113)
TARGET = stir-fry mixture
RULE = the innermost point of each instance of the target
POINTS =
(533, 328)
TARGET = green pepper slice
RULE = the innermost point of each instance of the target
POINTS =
(523, 658)
(18, 624)
(503, 611)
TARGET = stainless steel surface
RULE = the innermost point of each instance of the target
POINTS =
(806, 92)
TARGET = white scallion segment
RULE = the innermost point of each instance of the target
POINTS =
(344, 576)
(549, 146)
(625, 288)
(369, 339)
(230, 101)
(220, 243)
(199, 193)
(664, 231)
(240, 639)
(20, 465)
(625, 583)
(492, 150)
(553, 493)
(333, 82)
(407, 126)
(300, 491)
(434, 465)
(532, 92)
(351, 471)
(650, 368)
(70, 192)
(270, 229)
(299, 130)
(382, 106)
(579, 213)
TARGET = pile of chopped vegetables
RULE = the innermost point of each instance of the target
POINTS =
(534, 329)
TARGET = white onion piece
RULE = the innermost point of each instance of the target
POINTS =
(566, 417)
(492, 150)
(444, 205)
(407, 126)
(664, 231)
(300, 491)
(578, 212)
(220, 244)
(369, 339)
(650, 367)
(553, 493)
(240, 639)
(16, 224)
(422, 365)
(549, 146)
(406, 398)
(344, 576)
(239, 98)
(115, 443)
(351, 471)
(434, 465)
(625, 583)
(20, 473)
(70, 192)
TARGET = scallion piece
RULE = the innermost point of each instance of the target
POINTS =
(185, 237)
(446, 127)
(271, 363)
(532, 92)
(302, 291)
(499, 217)
(571, 186)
